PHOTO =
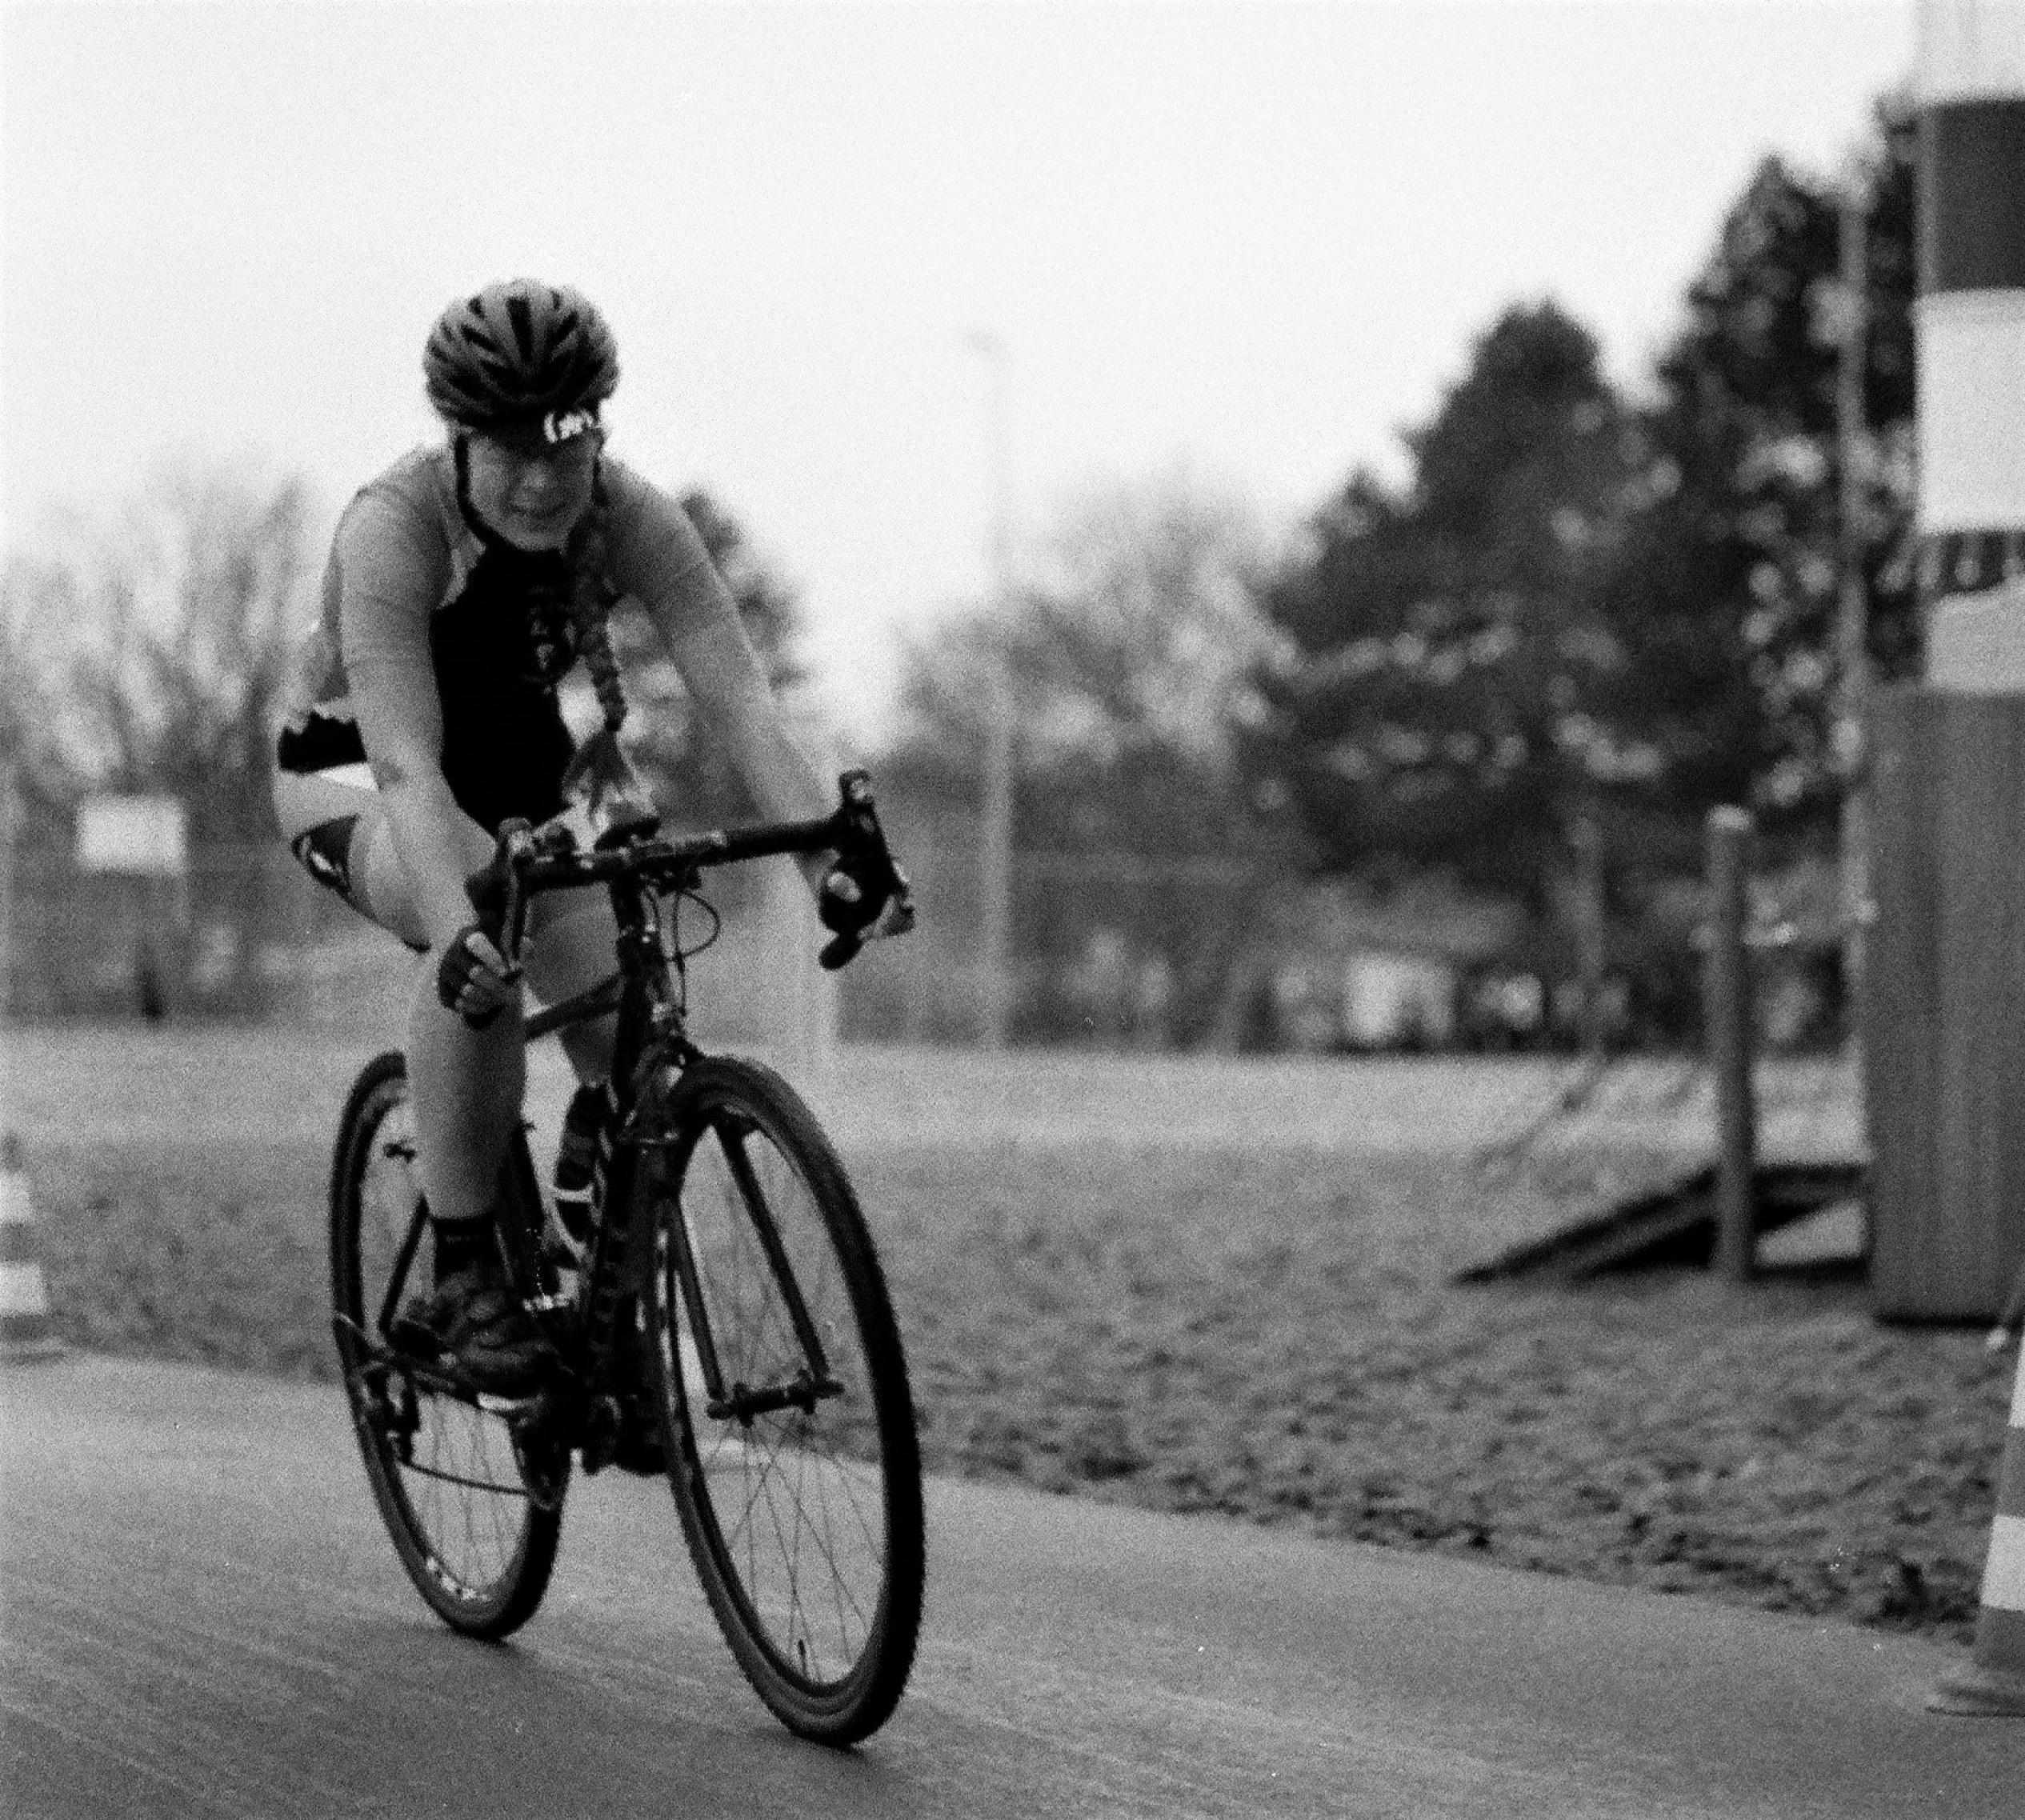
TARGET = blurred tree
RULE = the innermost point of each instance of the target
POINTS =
(1725, 583)
(1434, 699)
(28, 753)
(148, 655)
(691, 780)
(1128, 653)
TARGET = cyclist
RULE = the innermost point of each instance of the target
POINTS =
(463, 585)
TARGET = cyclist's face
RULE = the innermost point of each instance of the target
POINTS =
(534, 498)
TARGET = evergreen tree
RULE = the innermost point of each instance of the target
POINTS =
(1726, 583)
(1433, 700)
(1587, 613)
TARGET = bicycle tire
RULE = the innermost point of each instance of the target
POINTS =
(856, 1450)
(482, 1578)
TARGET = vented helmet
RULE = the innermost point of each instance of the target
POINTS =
(522, 358)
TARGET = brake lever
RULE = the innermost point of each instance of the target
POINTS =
(495, 889)
(839, 951)
(860, 836)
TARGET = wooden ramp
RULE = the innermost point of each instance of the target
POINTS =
(1672, 1223)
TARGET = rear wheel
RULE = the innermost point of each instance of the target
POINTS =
(778, 1368)
(475, 1523)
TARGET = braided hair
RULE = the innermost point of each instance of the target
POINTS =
(590, 609)
(599, 760)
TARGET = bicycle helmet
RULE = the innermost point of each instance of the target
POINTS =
(527, 359)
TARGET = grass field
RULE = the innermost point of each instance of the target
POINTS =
(1191, 1284)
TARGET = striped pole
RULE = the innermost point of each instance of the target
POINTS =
(1969, 336)
(1969, 333)
(1994, 1683)
(25, 1329)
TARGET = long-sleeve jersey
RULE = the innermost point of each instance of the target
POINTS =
(425, 623)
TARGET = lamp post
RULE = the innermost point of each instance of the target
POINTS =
(1852, 619)
(995, 857)
(9, 827)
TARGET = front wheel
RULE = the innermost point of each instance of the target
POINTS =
(474, 1520)
(776, 1366)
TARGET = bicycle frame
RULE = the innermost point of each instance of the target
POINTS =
(651, 1044)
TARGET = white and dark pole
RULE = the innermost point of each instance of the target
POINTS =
(1970, 344)
(995, 833)
(1969, 329)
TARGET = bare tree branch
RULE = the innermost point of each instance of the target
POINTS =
(160, 642)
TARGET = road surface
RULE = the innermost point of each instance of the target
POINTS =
(202, 1617)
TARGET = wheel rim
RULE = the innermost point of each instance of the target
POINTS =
(796, 1496)
(447, 1466)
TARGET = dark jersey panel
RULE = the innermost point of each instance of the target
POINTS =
(499, 649)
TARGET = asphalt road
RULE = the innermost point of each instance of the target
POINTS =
(201, 1616)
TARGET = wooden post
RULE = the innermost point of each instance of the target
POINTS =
(1592, 926)
(1726, 1009)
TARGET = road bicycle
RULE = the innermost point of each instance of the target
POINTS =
(725, 1322)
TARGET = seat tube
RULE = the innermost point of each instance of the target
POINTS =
(643, 971)
(644, 986)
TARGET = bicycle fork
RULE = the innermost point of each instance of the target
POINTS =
(737, 1401)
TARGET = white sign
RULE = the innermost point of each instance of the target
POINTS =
(133, 833)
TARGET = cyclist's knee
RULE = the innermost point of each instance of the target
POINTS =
(381, 887)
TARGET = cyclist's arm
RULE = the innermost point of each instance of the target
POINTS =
(660, 561)
(726, 680)
(387, 583)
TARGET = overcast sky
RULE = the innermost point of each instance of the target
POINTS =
(1254, 241)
